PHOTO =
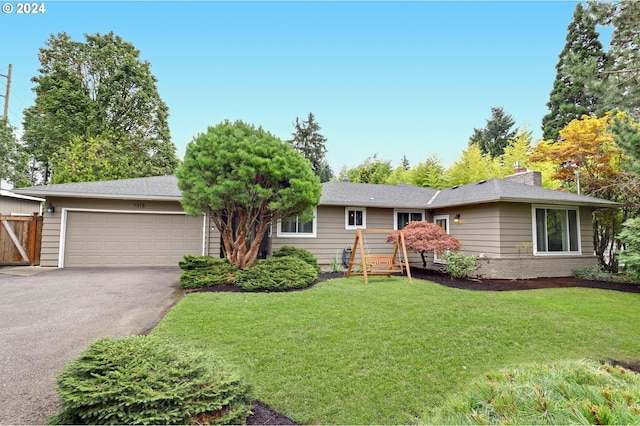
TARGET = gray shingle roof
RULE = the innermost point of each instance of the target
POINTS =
(336, 193)
(495, 190)
(372, 195)
(147, 188)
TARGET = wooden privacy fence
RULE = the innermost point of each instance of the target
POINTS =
(20, 239)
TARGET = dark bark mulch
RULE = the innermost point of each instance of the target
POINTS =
(262, 415)
(528, 284)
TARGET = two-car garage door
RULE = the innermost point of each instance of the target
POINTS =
(130, 239)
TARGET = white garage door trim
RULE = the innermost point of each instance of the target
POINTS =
(63, 225)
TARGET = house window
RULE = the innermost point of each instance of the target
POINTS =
(556, 230)
(292, 226)
(443, 222)
(355, 217)
(402, 218)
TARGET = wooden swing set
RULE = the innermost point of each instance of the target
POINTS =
(378, 264)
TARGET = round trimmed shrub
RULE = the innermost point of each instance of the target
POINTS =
(301, 253)
(217, 272)
(143, 380)
(277, 274)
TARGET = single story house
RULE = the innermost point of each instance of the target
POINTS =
(517, 228)
(12, 204)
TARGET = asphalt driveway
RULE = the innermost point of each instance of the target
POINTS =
(48, 318)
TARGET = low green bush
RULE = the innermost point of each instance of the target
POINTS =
(301, 253)
(143, 380)
(218, 272)
(460, 265)
(572, 392)
(277, 274)
(593, 273)
(192, 261)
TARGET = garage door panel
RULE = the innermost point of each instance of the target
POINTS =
(130, 239)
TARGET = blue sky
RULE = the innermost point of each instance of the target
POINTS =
(385, 78)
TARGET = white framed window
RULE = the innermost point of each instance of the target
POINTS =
(293, 227)
(556, 230)
(442, 221)
(355, 217)
(402, 218)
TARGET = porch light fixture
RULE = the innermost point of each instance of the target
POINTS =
(50, 208)
(456, 218)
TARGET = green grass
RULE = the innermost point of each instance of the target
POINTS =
(348, 353)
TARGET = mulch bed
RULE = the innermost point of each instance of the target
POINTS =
(263, 415)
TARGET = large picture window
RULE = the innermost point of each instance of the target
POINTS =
(556, 230)
(292, 226)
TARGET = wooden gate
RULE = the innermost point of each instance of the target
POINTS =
(20, 239)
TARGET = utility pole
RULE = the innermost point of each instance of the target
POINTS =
(6, 96)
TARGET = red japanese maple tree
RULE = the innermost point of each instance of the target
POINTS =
(423, 237)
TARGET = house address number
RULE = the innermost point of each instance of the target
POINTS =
(138, 205)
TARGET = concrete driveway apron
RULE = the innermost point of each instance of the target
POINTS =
(49, 316)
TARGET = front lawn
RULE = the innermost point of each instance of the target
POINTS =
(344, 352)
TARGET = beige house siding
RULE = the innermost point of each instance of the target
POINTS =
(478, 229)
(332, 237)
(15, 206)
(517, 260)
(501, 235)
(51, 230)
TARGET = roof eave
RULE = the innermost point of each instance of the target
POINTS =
(58, 194)
(599, 204)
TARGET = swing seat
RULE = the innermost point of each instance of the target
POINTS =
(378, 264)
(382, 264)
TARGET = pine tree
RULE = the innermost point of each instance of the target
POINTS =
(308, 141)
(569, 99)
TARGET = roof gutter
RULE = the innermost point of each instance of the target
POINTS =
(46, 194)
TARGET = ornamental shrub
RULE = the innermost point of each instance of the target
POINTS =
(192, 261)
(143, 380)
(460, 265)
(300, 253)
(593, 273)
(567, 392)
(206, 271)
(277, 274)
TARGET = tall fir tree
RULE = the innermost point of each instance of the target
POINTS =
(308, 141)
(495, 136)
(622, 76)
(568, 99)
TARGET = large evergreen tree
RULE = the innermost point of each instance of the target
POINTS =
(568, 99)
(623, 73)
(245, 179)
(308, 141)
(99, 88)
(494, 137)
(617, 85)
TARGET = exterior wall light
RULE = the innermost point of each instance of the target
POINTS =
(456, 218)
(50, 208)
